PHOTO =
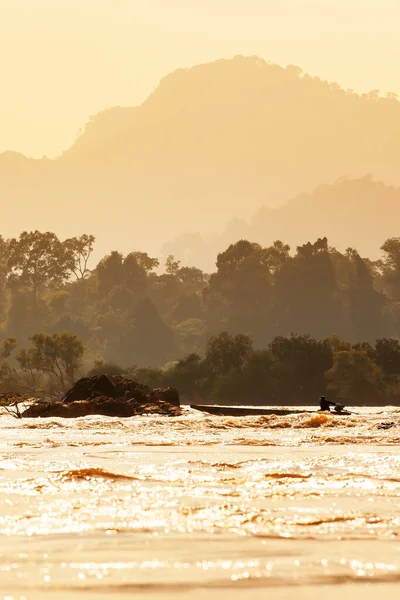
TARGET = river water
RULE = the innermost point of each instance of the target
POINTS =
(199, 505)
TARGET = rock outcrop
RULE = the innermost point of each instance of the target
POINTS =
(109, 386)
(112, 396)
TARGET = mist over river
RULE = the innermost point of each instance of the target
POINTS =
(302, 506)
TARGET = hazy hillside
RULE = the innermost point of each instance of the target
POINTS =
(361, 213)
(212, 142)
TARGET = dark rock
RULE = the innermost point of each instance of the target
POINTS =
(169, 394)
(111, 396)
(386, 425)
(105, 385)
(102, 405)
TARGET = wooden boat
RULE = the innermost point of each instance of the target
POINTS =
(247, 411)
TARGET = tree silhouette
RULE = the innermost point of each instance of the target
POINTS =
(37, 260)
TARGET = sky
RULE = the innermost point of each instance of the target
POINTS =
(64, 60)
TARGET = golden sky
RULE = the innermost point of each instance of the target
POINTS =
(63, 60)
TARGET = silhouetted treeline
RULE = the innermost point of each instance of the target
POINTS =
(295, 369)
(137, 314)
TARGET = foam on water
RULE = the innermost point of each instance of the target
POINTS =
(196, 504)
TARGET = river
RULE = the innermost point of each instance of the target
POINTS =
(198, 505)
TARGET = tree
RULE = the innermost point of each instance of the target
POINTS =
(241, 291)
(255, 383)
(153, 341)
(187, 307)
(337, 344)
(365, 302)
(105, 368)
(243, 276)
(144, 261)
(307, 294)
(4, 270)
(387, 356)
(300, 365)
(131, 271)
(110, 272)
(120, 298)
(391, 266)
(38, 260)
(136, 269)
(73, 324)
(365, 347)
(4, 251)
(193, 280)
(80, 250)
(225, 352)
(58, 355)
(191, 335)
(189, 376)
(355, 378)
(7, 347)
(277, 255)
(172, 266)
(58, 301)
(25, 317)
(139, 336)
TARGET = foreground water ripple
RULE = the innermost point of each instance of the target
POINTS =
(196, 504)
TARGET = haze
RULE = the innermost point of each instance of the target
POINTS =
(66, 60)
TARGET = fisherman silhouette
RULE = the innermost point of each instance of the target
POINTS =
(324, 405)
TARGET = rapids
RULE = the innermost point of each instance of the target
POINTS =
(189, 506)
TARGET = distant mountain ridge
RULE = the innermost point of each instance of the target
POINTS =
(212, 142)
(359, 213)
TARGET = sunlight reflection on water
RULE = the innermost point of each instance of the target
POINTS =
(95, 505)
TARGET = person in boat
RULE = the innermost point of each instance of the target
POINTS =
(325, 405)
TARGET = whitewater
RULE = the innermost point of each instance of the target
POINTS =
(198, 505)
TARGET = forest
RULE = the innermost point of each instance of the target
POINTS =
(270, 325)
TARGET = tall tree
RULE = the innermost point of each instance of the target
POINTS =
(300, 365)
(80, 250)
(355, 378)
(131, 271)
(241, 291)
(38, 260)
(137, 266)
(110, 272)
(225, 352)
(277, 255)
(6, 348)
(387, 356)
(365, 302)
(307, 295)
(391, 267)
(4, 270)
(172, 265)
(58, 355)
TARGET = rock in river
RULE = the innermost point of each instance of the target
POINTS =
(113, 396)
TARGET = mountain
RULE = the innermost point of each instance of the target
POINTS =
(212, 142)
(359, 213)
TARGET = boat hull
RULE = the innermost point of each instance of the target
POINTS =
(244, 411)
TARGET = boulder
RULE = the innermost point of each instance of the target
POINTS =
(169, 394)
(111, 396)
(113, 386)
(102, 405)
